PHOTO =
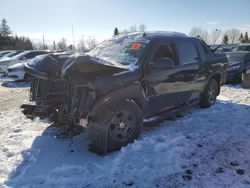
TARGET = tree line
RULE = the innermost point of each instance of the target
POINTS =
(217, 36)
(8, 41)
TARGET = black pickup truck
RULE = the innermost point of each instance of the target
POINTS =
(124, 81)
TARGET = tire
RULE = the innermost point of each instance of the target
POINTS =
(114, 125)
(208, 98)
(246, 80)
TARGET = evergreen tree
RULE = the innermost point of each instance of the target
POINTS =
(8, 42)
(5, 29)
(116, 32)
(245, 39)
(225, 39)
(241, 38)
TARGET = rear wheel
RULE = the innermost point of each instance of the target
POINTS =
(208, 98)
(114, 126)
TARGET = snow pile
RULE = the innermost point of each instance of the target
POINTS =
(204, 148)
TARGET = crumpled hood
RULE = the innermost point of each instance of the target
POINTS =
(79, 66)
(86, 64)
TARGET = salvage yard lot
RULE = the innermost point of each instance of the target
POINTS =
(203, 148)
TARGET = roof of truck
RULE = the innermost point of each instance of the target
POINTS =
(150, 35)
(163, 34)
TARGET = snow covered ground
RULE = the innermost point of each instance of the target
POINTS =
(203, 148)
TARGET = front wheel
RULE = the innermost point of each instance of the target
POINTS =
(114, 126)
(208, 98)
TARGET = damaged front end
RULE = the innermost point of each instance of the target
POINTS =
(63, 91)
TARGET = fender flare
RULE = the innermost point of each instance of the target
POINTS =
(134, 92)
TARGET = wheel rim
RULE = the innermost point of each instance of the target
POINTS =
(122, 126)
(212, 93)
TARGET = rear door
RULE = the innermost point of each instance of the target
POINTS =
(191, 68)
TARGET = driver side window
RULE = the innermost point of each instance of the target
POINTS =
(165, 51)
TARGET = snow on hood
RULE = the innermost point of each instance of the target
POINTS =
(8, 61)
(4, 58)
(17, 66)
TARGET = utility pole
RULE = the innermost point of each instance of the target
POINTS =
(43, 42)
(73, 36)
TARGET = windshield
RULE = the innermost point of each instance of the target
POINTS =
(122, 51)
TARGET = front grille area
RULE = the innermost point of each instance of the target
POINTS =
(48, 91)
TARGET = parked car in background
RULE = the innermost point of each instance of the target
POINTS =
(238, 63)
(17, 70)
(122, 81)
(3, 53)
(243, 47)
(11, 54)
(20, 58)
(222, 50)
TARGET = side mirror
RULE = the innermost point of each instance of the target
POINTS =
(163, 63)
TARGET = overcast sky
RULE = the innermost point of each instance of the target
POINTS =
(98, 18)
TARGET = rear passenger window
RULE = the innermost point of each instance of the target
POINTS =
(187, 53)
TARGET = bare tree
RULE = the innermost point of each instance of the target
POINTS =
(125, 31)
(198, 31)
(91, 43)
(233, 35)
(62, 44)
(81, 44)
(132, 28)
(215, 34)
(142, 27)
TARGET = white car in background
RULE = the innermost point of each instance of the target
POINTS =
(17, 70)
(3, 53)
(11, 54)
(20, 58)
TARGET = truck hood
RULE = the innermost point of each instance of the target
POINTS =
(89, 65)
(49, 66)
